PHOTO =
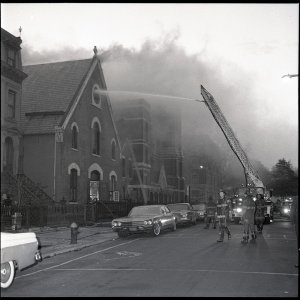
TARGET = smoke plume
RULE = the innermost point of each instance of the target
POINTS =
(164, 68)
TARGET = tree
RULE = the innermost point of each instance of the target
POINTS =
(284, 179)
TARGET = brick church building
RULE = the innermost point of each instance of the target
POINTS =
(71, 145)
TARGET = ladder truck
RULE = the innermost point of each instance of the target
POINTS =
(252, 178)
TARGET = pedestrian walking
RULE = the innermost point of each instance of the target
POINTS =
(223, 217)
(210, 214)
(248, 218)
(260, 212)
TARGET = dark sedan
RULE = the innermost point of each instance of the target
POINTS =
(147, 218)
(184, 213)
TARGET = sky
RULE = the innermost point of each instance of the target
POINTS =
(238, 52)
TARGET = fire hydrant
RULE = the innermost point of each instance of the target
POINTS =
(74, 233)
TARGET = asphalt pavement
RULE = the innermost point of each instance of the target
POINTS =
(187, 262)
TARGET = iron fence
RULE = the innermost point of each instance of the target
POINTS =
(59, 214)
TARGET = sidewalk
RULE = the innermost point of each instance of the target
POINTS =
(54, 241)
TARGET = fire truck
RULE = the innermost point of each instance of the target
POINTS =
(253, 184)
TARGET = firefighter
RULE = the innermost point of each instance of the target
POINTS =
(260, 212)
(210, 214)
(223, 217)
(248, 218)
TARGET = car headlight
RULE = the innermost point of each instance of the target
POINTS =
(239, 210)
(286, 210)
(115, 223)
(148, 222)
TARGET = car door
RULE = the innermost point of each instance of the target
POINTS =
(169, 216)
(163, 217)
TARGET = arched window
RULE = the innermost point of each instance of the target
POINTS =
(74, 137)
(113, 182)
(8, 155)
(113, 149)
(73, 185)
(123, 167)
(95, 186)
(96, 97)
(96, 138)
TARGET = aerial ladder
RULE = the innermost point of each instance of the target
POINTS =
(251, 176)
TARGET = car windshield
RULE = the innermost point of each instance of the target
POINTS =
(173, 207)
(144, 210)
(199, 206)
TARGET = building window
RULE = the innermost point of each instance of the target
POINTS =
(96, 139)
(95, 187)
(11, 57)
(195, 178)
(180, 168)
(73, 185)
(113, 182)
(147, 160)
(8, 158)
(123, 167)
(74, 137)
(96, 97)
(202, 177)
(130, 169)
(113, 149)
(11, 104)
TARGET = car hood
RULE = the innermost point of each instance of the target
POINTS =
(15, 239)
(135, 218)
(180, 211)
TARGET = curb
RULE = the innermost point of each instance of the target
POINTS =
(75, 248)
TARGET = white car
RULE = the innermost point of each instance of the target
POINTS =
(18, 251)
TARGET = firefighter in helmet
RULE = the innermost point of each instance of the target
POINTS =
(223, 217)
(260, 212)
(248, 218)
(210, 214)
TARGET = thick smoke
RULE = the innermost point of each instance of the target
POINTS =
(164, 68)
(32, 57)
(168, 70)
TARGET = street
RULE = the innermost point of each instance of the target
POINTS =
(188, 263)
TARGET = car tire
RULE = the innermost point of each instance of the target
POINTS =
(122, 234)
(7, 274)
(156, 229)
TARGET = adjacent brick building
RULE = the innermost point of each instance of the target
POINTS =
(12, 76)
(153, 136)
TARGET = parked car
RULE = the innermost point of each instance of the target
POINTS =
(184, 213)
(18, 251)
(147, 218)
(200, 210)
